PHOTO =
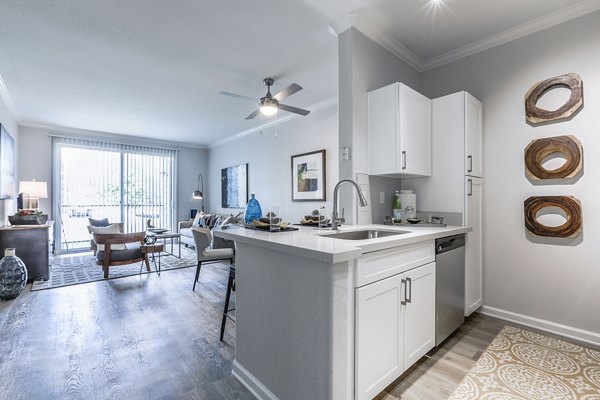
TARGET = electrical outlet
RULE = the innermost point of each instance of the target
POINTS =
(381, 197)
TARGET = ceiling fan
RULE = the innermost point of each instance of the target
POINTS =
(270, 104)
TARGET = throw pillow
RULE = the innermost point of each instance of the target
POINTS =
(113, 228)
(99, 222)
(197, 219)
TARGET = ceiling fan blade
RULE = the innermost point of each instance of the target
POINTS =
(239, 96)
(254, 114)
(288, 91)
(295, 110)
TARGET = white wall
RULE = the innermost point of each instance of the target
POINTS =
(35, 162)
(364, 66)
(9, 206)
(268, 154)
(557, 281)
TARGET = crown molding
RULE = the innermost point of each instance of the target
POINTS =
(379, 37)
(314, 108)
(6, 97)
(402, 52)
(565, 14)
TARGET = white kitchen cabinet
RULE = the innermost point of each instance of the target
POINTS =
(473, 127)
(419, 313)
(379, 329)
(399, 132)
(473, 250)
(395, 326)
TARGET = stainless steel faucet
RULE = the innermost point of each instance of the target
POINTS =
(335, 219)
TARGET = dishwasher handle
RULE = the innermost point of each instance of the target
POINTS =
(449, 243)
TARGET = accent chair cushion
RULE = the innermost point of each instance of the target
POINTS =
(133, 251)
(113, 228)
(99, 222)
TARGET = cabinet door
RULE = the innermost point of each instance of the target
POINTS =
(415, 133)
(378, 336)
(419, 313)
(383, 107)
(473, 248)
(473, 136)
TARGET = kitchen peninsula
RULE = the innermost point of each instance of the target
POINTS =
(313, 310)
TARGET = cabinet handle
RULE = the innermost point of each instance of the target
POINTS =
(470, 158)
(408, 283)
(403, 160)
(403, 281)
(470, 193)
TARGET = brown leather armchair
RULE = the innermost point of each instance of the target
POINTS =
(108, 258)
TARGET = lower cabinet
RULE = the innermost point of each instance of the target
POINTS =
(395, 326)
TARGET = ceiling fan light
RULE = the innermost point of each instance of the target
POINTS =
(268, 109)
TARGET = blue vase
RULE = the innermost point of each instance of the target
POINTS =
(13, 275)
(253, 210)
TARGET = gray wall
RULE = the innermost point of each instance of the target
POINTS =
(268, 154)
(556, 281)
(9, 206)
(364, 66)
(35, 162)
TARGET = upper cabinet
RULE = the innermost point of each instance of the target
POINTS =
(399, 132)
(473, 137)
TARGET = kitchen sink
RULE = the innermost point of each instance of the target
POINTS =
(362, 235)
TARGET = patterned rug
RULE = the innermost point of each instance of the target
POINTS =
(522, 365)
(74, 269)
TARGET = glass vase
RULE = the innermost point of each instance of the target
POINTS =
(13, 275)
(253, 210)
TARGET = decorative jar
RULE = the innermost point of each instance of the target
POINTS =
(253, 210)
(409, 204)
(13, 275)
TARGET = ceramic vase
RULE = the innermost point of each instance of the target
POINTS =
(253, 210)
(13, 275)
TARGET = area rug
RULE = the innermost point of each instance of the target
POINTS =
(74, 269)
(522, 365)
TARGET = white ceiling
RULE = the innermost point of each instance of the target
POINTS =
(154, 68)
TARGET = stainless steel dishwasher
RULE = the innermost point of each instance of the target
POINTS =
(449, 285)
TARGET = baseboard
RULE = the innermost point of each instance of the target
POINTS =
(250, 382)
(543, 325)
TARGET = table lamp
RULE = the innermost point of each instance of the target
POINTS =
(33, 191)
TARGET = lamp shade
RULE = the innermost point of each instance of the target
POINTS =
(34, 189)
(197, 195)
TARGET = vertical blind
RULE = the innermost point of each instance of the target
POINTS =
(122, 182)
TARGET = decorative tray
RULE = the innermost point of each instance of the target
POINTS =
(158, 231)
(266, 228)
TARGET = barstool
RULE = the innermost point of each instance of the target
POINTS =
(202, 240)
(226, 309)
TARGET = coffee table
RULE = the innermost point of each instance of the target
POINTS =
(153, 249)
(169, 235)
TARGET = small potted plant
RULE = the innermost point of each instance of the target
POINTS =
(28, 217)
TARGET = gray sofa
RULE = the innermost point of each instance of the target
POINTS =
(187, 238)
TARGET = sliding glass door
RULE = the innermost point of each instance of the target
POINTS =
(124, 183)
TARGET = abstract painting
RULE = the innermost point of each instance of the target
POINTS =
(309, 176)
(234, 186)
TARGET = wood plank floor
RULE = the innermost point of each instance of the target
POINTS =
(151, 337)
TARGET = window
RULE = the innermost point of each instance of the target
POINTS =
(124, 183)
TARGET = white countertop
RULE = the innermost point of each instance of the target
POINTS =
(311, 243)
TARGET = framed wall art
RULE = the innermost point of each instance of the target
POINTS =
(234, 186)
(309, 176)
(7, 164)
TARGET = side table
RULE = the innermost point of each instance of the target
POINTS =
(153, 249)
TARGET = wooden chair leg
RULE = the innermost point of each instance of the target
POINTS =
(226, 307)
(197, 274)
(105, 269)
(147, 262)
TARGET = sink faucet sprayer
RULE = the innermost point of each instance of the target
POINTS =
(335, 219)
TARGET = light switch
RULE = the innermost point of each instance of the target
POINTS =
(381, 197)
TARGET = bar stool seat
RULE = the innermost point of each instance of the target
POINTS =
(226, 309)
(202, 240)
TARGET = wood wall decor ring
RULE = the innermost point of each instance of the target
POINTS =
(536, 115)
(570, 205)
(539, 149)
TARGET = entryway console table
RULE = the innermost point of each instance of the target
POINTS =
(32, 244)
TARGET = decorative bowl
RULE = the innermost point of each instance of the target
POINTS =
(158, 230)
(413, 220)
(31, 219)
